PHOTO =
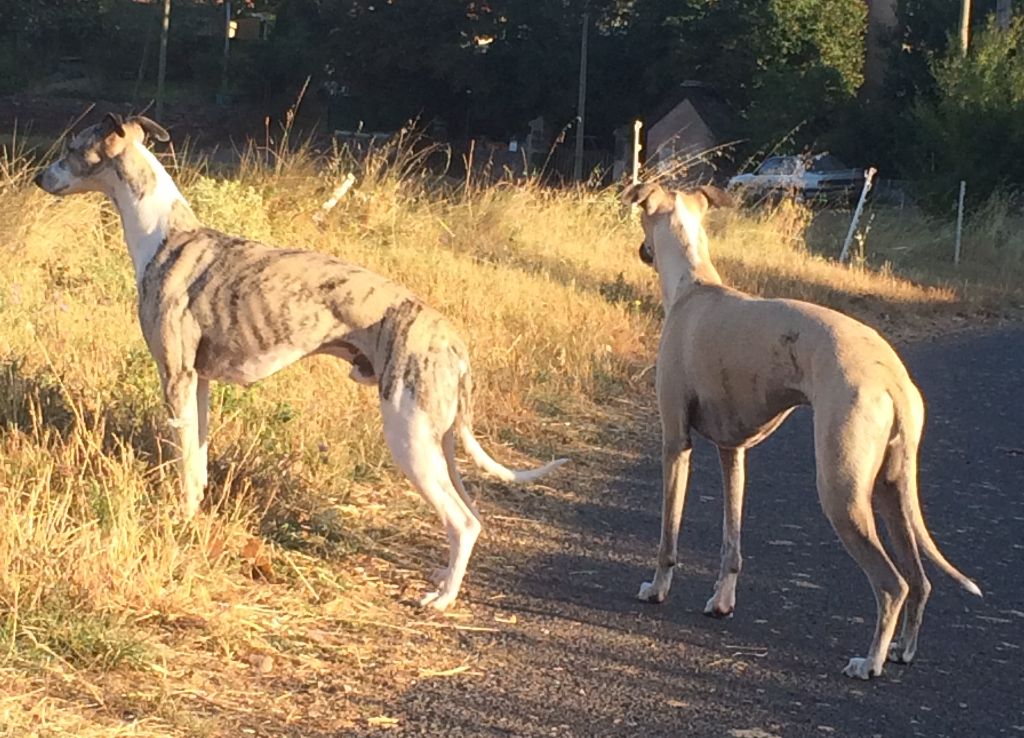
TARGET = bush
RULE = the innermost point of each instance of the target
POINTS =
(973, 129)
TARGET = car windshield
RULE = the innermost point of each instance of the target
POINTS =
(778, 165)
(825, 163)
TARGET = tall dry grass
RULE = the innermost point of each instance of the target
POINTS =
(96, 577)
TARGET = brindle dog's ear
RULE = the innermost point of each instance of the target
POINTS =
(112, 123)
(650, 196)
(151, 128)
(716, 197)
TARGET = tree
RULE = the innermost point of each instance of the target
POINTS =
(779, 63)
(973, 128)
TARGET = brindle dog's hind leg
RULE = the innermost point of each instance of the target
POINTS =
(448, 445)
(416, 448)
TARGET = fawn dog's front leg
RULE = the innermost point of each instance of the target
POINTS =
(676, 472)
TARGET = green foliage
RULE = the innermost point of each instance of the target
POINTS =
(781, 63)
(226, 204)
(973, 129)
(62, 630)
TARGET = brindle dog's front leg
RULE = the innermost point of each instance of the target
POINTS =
(181, 394)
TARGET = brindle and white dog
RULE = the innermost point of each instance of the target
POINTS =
(218, 307)
(732, 367)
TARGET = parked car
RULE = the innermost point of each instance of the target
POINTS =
(807, 178)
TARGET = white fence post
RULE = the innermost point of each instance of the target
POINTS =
(959, 222)
(637, 125)
(869, 177)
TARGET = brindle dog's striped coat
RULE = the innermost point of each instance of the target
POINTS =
(215, 307)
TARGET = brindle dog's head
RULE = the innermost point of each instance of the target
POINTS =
(656, 202)
(98, 157)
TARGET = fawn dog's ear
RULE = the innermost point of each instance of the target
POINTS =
(151, 128)
(649, 196)
(715, 197)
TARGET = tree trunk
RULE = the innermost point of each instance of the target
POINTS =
(162, 67)
(883, 27)
(965, 25)
(1004, 13)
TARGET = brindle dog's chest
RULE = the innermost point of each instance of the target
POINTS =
(225, 365)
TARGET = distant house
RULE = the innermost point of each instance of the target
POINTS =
(252, 27)
(682, 135)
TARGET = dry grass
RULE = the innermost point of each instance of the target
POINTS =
(285, 600)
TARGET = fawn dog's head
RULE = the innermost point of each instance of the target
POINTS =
(681, 211)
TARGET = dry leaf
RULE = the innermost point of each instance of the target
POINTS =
(215, 547)
(251, 548)
(256, 564)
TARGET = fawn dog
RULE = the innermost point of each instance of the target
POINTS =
(732, 367)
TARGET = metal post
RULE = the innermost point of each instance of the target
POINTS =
(959, 222)
(581, 102)
(637, 125)
(162, 68)
(869, 177)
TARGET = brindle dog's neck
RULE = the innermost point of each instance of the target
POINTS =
(150, 204)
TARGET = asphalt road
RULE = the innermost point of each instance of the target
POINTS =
(584, 658)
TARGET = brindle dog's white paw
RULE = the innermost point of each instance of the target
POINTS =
(437, 600)
(649, 593)
(439, 576)
(859, 668)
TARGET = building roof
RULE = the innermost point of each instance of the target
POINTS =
(711, 106)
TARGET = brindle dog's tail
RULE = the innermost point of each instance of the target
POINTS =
(464, 421)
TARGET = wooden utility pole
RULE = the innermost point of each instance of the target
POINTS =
(223, 96)
(162, 66)
(959, 223)
(581, 102)
(965, 25)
